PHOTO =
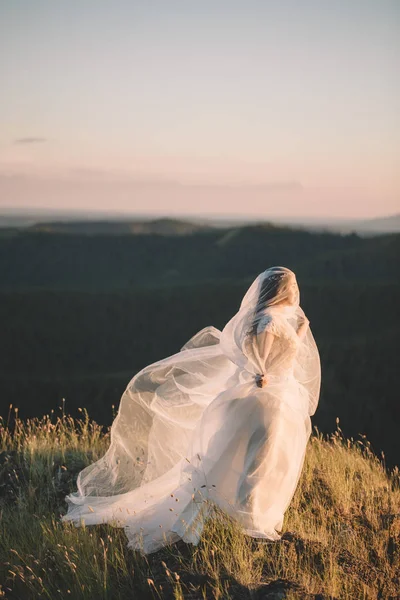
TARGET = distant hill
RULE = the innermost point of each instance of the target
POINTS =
(99, 222)
(157, 226)
(389, 224)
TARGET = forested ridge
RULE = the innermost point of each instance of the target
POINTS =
(81, 314)
(66, 261)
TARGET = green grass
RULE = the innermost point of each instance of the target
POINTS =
(342, 530)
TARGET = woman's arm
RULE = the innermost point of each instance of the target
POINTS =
(304, 325)
(265, 340)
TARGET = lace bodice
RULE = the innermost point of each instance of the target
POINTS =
(280, 359)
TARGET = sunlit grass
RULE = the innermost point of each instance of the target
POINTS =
(342, 530)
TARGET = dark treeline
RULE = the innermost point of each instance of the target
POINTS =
(82, 314)
(65, 261)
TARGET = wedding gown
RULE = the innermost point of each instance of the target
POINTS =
(194, 430)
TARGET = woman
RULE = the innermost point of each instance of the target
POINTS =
(223, 422)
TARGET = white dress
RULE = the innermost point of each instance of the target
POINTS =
(245, 453)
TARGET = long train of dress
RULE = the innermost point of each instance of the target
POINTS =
(245, 454)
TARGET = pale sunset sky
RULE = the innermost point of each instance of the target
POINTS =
(262, 108)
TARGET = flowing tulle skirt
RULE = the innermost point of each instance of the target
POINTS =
(245, 456)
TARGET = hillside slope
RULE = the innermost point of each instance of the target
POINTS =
(341, 533)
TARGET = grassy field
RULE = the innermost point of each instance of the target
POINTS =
(341, 540)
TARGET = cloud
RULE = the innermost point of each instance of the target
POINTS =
(30, 140)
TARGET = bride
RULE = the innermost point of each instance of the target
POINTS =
(225, 421)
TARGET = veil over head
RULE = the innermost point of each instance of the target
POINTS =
(163, 403)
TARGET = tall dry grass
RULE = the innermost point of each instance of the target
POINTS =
(342, 530)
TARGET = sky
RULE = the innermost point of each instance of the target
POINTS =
(253, 108)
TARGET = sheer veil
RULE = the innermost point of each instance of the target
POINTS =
(163, 403)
